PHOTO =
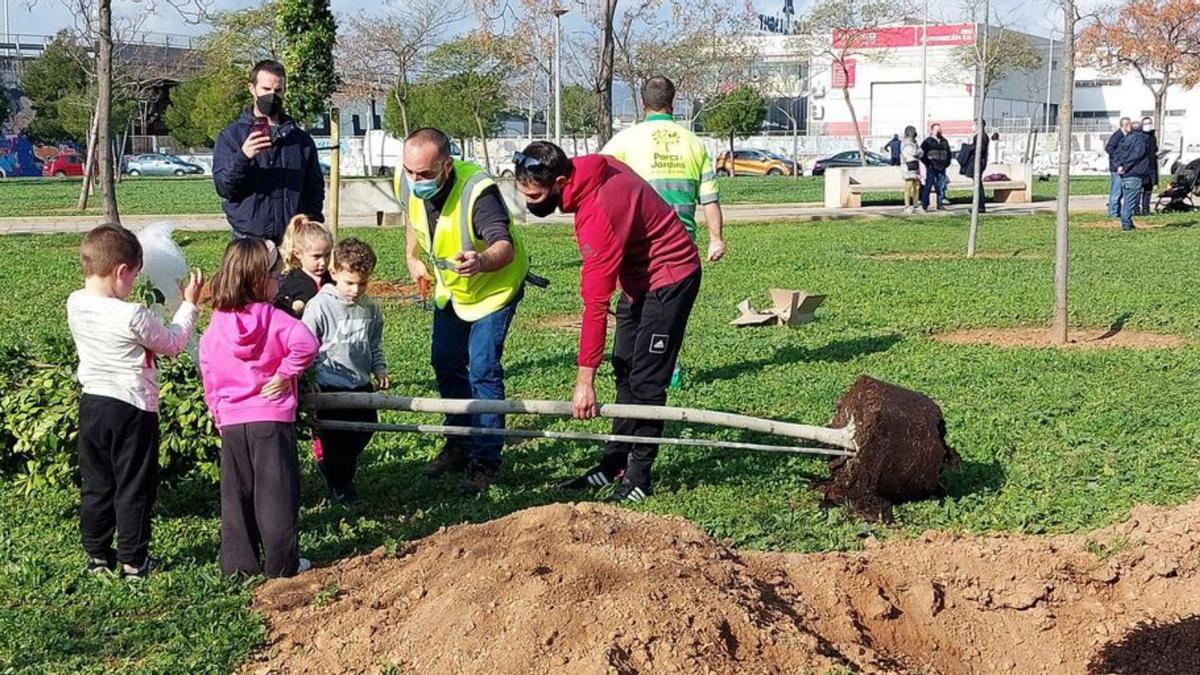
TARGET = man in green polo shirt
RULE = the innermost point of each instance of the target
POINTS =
(676, 165)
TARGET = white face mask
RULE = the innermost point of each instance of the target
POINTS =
(1147, 126)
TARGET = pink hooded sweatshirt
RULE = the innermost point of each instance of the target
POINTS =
(241, 351)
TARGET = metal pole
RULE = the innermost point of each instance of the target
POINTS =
(335, 168)
(558, 12)
(7, 31)
(1049, 81)
(924, 66)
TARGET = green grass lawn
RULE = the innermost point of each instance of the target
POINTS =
(175, 196)
(1051, 441)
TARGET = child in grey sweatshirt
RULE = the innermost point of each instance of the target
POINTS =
(349, 326)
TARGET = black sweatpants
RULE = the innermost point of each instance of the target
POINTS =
(340, 450)
(118, 467)
(260, 499)
(646, 346)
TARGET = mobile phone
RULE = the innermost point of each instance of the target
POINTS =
(261, 125)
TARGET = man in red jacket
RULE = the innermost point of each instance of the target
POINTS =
(628, 236)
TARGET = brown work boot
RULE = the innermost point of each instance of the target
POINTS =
(480, 477)
(452, 459)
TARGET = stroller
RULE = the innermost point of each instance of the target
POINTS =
(1178, 197)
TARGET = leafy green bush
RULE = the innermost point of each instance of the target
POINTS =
(40, 424)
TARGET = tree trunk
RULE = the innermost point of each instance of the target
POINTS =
(89, 167)
(1160, 106)
(862, 148)
(487, 161)
(1058, 333)
(108, 187)
(575, 144)
(732, 159)
(604, 78)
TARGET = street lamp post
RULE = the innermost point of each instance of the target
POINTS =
(558, 12)
(924, 64)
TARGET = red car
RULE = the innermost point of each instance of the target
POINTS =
(67, 164)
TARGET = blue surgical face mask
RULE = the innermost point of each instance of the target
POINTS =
(423, 189)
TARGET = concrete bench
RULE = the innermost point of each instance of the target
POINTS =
(373, 197)
(845, 186)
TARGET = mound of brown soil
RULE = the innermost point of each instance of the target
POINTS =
(1088, 338)
(594, 589)
(381, 289)
(901, 437)
(1070, 604)
(563, 588)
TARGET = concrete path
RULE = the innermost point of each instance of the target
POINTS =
(734, 213)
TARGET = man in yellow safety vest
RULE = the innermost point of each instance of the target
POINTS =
(460, 235)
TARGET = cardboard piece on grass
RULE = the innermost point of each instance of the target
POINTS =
(790, 308)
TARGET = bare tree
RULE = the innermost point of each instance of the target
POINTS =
(382, 51)
(841, 31)
(1066, 113)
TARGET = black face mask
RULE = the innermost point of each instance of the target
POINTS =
(545, 207)
(269, 104)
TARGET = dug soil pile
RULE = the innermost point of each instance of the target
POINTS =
(593, 589)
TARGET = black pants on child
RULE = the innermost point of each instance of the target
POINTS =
(260, 499)
(646, 346)
(340, 449)
(118, 465)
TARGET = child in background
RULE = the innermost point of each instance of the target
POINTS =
(305, 251)
(349, 326)
(910, 155)
(118, 412)
(250, 357)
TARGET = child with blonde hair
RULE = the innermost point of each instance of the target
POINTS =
(305, 251)
(250, 357)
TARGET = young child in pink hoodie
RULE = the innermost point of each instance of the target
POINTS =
(250, 357)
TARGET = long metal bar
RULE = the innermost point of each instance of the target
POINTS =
(841, 438)
(337, 425)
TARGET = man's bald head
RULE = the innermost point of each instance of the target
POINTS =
(426, 154)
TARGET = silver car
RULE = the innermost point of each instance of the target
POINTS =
(160, 165)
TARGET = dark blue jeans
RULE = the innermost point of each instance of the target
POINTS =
(934, 180)
(1114, 195)
(1131, 197)
(466, 360)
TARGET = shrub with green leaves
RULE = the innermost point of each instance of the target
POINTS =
(40, 424)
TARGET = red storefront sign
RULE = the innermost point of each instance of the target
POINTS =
(843, 78)
(948, 35)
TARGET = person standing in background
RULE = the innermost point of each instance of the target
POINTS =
(265, 167)
(676, 165)
(1150, 183)
(935, 154)
(1133, 165)
(893, 147)
(1114, 187)
(910, 155)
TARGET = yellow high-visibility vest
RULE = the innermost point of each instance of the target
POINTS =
(478, 295)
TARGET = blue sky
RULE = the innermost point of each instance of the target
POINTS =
(47, 16)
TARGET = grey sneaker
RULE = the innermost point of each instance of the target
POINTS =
(131, 573)
(303, 565)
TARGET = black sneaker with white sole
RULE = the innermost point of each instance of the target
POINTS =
(595, 478)
(629, 492)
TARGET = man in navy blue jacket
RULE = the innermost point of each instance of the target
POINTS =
(1114, 187)
(265, 178)
(1133, 165)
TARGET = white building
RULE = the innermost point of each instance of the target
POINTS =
(1102, 99)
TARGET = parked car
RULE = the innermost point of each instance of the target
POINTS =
(66, 164)
(158, 164)
(756, 163)
(849, 158)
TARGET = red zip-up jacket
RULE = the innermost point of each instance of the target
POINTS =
(628, 235)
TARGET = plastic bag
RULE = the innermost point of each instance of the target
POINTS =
(163, 263)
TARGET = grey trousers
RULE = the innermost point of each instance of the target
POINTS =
(260, 499)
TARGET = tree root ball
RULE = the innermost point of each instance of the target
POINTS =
(902, 449)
